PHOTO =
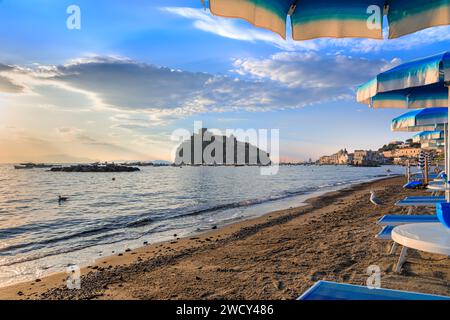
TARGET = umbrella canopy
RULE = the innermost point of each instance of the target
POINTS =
(430, 139)
(427, 136)
(339, 18)
(417, 84)
(420, 120)
(430, 145)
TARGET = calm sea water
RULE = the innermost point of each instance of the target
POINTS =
(39, 236)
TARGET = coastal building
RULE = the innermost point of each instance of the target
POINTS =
(204, 148)
(367, 158)
(342, 157)
(402, 152)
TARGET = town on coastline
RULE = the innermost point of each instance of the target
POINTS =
(396, 152)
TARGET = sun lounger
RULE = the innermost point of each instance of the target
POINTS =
(389, 222)
(325, 290)
(417, 203)
(425, 198)
(397, 220)
(385, 233)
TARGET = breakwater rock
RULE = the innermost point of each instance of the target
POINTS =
(96, 168)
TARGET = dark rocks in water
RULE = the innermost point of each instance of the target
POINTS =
(95, 168)
(214, 227)
(128, 250)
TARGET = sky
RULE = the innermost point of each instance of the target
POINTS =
(137, 70)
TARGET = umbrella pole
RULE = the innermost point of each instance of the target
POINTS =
(445, 149)
(447, 160)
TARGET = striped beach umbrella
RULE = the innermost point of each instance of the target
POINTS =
(424, 162)
(421, 160)
(420, 120)
(421, 83)
(430, 140)
(338, 18)
(432, 145)
(427, 136)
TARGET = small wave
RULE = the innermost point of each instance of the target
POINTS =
(140, 223)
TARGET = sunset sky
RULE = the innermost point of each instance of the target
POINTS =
(137, 70)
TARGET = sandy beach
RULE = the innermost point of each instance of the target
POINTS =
(277, 256)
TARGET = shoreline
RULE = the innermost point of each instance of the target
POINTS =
(255, 209)
(108, 277)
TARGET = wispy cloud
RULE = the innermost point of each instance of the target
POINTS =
(309, 70)
(229, 28)
(235, 29)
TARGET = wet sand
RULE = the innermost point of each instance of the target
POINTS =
(277, 256)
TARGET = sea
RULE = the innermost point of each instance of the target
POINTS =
(111, 212)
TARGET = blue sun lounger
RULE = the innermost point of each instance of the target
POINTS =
(418, 202)
(325, 290)
(385, 233)
(397, 220)
(412, 203)
(425, 198)
(389, 222)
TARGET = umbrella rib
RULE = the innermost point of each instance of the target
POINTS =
(293, 8)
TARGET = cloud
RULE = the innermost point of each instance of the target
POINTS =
(232, 29)
(237, 30)
(312, 71)
(146, 96)
(124, 83)
(6, 84)
(419, 39)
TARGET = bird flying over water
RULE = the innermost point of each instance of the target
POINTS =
(374, 199)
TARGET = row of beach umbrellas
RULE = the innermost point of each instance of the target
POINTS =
(421, 83)
(433, 120)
